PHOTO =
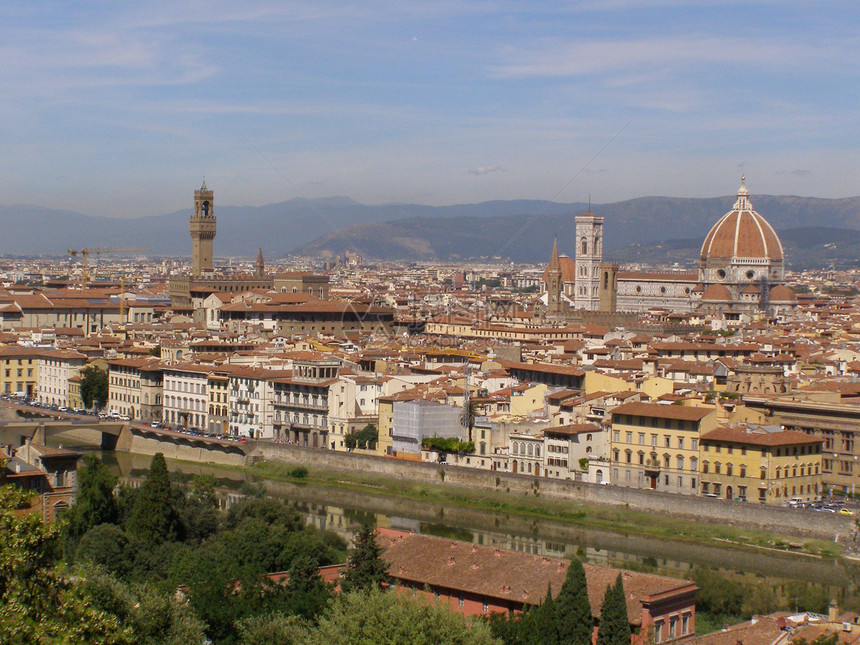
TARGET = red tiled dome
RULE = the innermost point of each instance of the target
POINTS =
(717, 293)
(742, 233)
(781, 293)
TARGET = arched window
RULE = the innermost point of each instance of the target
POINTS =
(628, 456)
(584, 246)
(694, 462)
(615, 455)
(705, 466)
(680, 462)
(729, 469)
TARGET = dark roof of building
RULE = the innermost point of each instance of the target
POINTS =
(512, 575)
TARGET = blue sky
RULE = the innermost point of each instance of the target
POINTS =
(120, 109)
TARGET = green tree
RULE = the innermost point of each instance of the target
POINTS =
(154, 517)
(200, 509)
(377, 616)
(276, 628)
(95, 503)
(366, 569)
(307, 594)
(545, 621)
(94, 386)
(574, 622)
(109, 546)
(154, 616)
(38, 603)
(614, 624)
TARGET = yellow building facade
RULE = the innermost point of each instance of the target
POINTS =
(760, 464)
(19, 370)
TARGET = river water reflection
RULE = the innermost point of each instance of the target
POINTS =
(342, 511)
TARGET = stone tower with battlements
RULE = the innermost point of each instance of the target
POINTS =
(202, 228)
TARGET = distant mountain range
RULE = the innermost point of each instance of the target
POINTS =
(647, 229)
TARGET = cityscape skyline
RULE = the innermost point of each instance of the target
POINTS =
(115, 112)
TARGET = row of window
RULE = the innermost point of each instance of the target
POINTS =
(184, 386)
(654, 422)
(779, 452)
(20, 373)
(667, 440)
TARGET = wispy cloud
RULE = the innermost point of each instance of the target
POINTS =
(483, 170)
(588, 57)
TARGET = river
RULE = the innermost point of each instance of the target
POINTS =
(342, 511)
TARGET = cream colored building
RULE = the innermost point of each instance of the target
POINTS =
(54, 370)
(186, 395)
(135, 388)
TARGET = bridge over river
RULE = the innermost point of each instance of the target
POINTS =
(44, 426)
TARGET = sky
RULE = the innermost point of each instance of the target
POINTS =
(122, 108)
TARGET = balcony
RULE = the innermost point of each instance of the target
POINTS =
(653, 464)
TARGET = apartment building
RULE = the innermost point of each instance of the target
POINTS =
(135, 388)
(19, 368)
(186, 395)
(760, 464)
(301, 402)
(656, 446)
(54, 369)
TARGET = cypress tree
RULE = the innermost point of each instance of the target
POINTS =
(366, 570)
(545, 625)
(95, 503)
(614, 625)
(154, 517)
(574, 622)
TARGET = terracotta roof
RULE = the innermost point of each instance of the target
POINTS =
(758, 436)
(572, 429)
(511, 575)
(742, 233)
(568, 269)
(662, 411)
(781, 293)
(717, 292)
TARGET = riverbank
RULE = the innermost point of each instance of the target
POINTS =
(535, 507)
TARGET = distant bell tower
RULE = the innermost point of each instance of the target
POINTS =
(589, 255)
(553, 287)
(202, 228)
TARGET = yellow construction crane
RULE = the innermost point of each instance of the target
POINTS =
(84, 253)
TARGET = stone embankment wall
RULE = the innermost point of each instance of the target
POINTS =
(175, 450)
(788, 521)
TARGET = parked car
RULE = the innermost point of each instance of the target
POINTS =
(845, 511)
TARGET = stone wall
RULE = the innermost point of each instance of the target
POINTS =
(198, 452)
(784, 520)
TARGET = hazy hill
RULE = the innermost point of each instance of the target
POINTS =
(642, 221)
(810, 247)
(278, 228)
(521, 230)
